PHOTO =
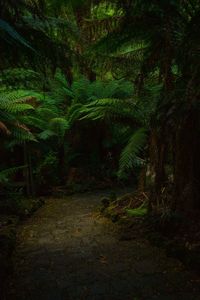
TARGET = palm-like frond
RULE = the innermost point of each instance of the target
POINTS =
(110, 110)
(129, 156)
(12, 107)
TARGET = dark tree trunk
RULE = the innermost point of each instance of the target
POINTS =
(187, 164)
(157, 161)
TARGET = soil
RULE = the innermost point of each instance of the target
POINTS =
(68, 251)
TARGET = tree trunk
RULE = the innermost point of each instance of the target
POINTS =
(187, 164)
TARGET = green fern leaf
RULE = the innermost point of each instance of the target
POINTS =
(131, 151)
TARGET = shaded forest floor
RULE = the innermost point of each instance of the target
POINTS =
(68, 251)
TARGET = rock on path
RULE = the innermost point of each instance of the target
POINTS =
(66, 251)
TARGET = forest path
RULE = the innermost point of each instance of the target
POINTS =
(66, 251)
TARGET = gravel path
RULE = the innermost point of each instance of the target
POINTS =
(67, 251)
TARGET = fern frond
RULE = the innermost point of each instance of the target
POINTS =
(59, 126)
(46, 134)
(16, 107)
(20, 135)
(7, 173)
(46, 113)
(34, 122)
(109, 110)
(97, 28)
(74, 113)
(17, 101)
(130, 153)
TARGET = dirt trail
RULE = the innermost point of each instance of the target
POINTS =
(66, 251)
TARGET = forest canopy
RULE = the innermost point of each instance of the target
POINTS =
(101, 93)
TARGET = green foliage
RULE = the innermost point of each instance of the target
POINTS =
(12, 106)
(59, 126)
(19, 78)
(108, 110)
(93, 79)
(137, 212)
(129, 156)
(5, 175)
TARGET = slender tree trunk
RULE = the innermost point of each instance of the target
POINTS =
(82, 13)
(157, 161)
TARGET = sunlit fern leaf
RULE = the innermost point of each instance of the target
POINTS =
(34, 122)
(140, 211)
(46, 134)
(19, 108)
(74, 113)
(131, 151)
(17, 97)
(13, 106)
(109, 110)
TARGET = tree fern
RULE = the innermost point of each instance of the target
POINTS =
(129, 155)
(12, 106)
(111, 110)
